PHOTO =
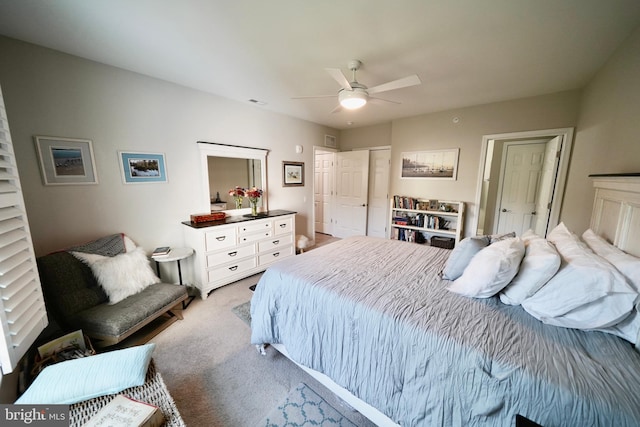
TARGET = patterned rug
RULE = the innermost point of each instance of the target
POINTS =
(243, 311)
(303, 407)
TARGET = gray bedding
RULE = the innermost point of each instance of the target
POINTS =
(374, 316)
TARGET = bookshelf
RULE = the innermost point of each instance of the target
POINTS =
(418, 220)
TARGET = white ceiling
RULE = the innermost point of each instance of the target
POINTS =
(466, 52)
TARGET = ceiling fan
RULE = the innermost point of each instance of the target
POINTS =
(354, 95)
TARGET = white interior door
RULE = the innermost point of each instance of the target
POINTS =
(323, 191)
(352, 178)
(547, 185)
(378, 209)
(521, 180)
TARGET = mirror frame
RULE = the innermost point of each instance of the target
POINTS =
(209, 149)
(561, 179)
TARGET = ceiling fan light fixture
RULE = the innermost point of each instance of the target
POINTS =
(352, 99)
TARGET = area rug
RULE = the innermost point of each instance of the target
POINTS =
(243, 311)
(303, 407)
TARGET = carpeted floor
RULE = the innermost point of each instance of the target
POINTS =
(216, 377)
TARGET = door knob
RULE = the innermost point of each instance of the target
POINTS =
(533, 213)
(506, 210)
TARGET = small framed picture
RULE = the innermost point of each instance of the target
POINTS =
(433, 204)
(292, 174)
(142, 168)
(66, 161)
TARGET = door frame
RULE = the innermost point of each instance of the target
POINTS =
(561, 175)
(317, 149)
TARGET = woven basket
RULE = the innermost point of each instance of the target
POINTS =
(66, 353)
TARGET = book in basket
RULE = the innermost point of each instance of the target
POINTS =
(123, 411)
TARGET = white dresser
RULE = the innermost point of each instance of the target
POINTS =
(229, 250)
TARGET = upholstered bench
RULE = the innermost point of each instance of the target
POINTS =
(75, 299)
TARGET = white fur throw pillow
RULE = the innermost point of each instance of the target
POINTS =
(122, 275)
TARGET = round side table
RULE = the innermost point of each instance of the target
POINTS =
(175, 254)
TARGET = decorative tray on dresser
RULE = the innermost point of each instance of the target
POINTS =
(238, 246)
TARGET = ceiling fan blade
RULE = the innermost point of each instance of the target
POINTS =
(375, 99)
(337, 75)
(314, 96)
(396, 84)
(337, 109)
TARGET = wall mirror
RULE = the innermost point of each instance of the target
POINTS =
(226, 166)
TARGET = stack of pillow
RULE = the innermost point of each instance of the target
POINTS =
(561, 280)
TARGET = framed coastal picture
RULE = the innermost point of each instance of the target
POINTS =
(292, 174)
(66, 161)
(437, 164)
(142, 168)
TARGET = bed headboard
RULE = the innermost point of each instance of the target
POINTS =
(616, 210)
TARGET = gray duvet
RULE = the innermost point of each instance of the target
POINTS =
(374, 316)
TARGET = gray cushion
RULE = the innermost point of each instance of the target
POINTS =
(68, 285)
(461, 256)
(117, 319)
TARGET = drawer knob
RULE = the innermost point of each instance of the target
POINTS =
(276, 254)
(234, 253)
(221, 238)
(275, 242)
(283, 225)
(234, 268)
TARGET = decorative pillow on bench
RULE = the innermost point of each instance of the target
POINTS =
(121, 275)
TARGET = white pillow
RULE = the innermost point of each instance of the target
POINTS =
(490, 270)
(461, 256)
(586, 293)
(541, 261)
(122, 275)
(627, 264)
(628, 328)
(76, 380)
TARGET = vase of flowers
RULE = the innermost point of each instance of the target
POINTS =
(238, 194)
(254, 195)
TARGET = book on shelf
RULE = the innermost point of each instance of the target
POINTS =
(162, 250)
(123, 411)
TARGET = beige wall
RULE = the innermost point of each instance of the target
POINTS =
(608, 134)
(438, 131)
(50, 93)
(369, 136)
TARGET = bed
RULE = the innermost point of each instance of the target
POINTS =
(374, 319)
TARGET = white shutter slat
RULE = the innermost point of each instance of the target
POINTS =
(10, 225)
(8, 213)
(15, 274)
(13, 236)
(17, 291)
(23, 314)
(5, 187)
(7, 200)
(11, 250)
(15, 313)
(30, 309)
(26, 329)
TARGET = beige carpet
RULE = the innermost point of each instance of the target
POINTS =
(216, 377)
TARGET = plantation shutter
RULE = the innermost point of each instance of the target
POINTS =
(22, 311)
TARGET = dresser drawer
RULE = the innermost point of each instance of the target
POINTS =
(275, 243)
(220, 239)
(232, 269)
(283, 226)
(270, 257)
(252, 227)
(246, 238)
(230, 255)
